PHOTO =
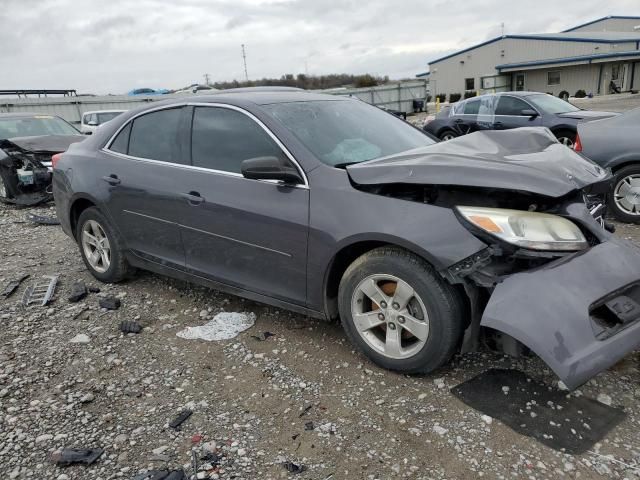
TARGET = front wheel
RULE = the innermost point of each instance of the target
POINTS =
(101, 248)
(448, 135)
(624, 197)
(396, 309)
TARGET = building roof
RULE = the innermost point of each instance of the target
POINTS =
(567, 60)
(567, 36)
(617, 17)
(423, 74)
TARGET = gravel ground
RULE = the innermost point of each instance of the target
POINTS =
(69, 378)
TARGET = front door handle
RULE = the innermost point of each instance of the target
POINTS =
(193, 198)
(459, 120)
(112, 179)
(498, 124)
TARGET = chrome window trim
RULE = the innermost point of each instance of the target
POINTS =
(286, 151)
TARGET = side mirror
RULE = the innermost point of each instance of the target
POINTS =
(529, 112)
(269, 168)
(93, 123)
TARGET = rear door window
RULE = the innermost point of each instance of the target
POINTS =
(121, 143)
(222, 138)
(156, 136)
(472, 107)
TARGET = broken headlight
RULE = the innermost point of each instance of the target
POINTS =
(533, 230)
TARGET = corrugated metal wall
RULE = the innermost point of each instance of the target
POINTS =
(611, 25)
(572, 79)
(397, 96)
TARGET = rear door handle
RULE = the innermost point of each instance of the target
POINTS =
(459, 120)
(193, 198)
(112, 179)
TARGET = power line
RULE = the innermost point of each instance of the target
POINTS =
(244, 59)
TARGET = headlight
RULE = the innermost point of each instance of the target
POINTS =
(537, 231)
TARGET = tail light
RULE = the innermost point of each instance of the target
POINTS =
(55, 159)
(577, 145)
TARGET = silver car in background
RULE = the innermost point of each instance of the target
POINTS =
(92, 120)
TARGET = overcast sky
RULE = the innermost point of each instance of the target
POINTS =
(112, 46)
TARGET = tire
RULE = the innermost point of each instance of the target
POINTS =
(97, 225)
(624, 197)
(566, 137)
(447, 135)
(8, 184)
(444, 307)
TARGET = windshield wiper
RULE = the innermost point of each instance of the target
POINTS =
(345, 164)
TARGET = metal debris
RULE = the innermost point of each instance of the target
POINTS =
(179, 420)
(42, 220)
(13, 285)
(40, 292)
(69, 456)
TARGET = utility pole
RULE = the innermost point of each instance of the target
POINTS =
(244, 59)
(206, 79)
(502, 25)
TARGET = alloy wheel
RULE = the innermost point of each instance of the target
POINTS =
(566, 141)
(390, 316)
(96, 247)
(626, 194)
(448, 136)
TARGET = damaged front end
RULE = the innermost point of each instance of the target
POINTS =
(552, 277)
(26, 167)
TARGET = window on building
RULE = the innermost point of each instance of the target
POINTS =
(511, 106)
(553, 78)
(469, 83)
(222, 138)
(155, 136)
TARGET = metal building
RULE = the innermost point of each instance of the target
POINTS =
(599, 57)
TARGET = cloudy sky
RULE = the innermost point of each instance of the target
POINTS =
(111, 46)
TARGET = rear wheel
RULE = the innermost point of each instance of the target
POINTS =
(566, 137)
(448, 135)
(624, 197)
(396, 309)
(101, 249)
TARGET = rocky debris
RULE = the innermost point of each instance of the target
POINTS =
(70, 456)
(110, 303)
(130, 326)
(180, 419)
(80, 338)
(604, 398)
(78, 292)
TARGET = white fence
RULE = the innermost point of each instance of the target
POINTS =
(397, 96)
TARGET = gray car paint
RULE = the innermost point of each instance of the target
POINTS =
(515, 160)
(613, 141)
(340, 216)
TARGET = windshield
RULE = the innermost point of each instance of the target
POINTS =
(344, 132)
(34, 127)
(106, 116)
(550, 104)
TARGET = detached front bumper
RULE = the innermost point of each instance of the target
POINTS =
(580, 314)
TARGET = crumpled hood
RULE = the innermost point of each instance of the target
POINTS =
(44, 143)
(526, 159)
(587, 114)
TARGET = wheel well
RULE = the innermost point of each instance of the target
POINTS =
(340, 263)
(627, 163)
(79, 206)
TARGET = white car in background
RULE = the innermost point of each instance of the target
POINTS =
(92, 120)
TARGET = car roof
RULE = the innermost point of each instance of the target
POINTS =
(258, 96)
(103, 111)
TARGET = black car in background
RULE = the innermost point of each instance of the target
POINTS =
(614, 143)
(502, 111)
(27, 143)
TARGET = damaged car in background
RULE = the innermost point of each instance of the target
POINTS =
(27, 143)
(422, 249)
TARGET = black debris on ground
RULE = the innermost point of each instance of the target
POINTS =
(110, 303)
(71, 456)
(78, 291)
(293, 467)
(13, 285)
(180, 419)
(162, 475)
(263, 336)
(309, 426)
(306, 410)
(557, 419)
(94, 289)
(130, 326)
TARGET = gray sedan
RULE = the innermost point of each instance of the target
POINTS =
(615, 143)
(294, 199)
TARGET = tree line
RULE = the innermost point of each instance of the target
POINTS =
(309, 82)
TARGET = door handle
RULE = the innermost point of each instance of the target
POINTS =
(459, 120)
(193, 198)
(112, 179)
(498, 124)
